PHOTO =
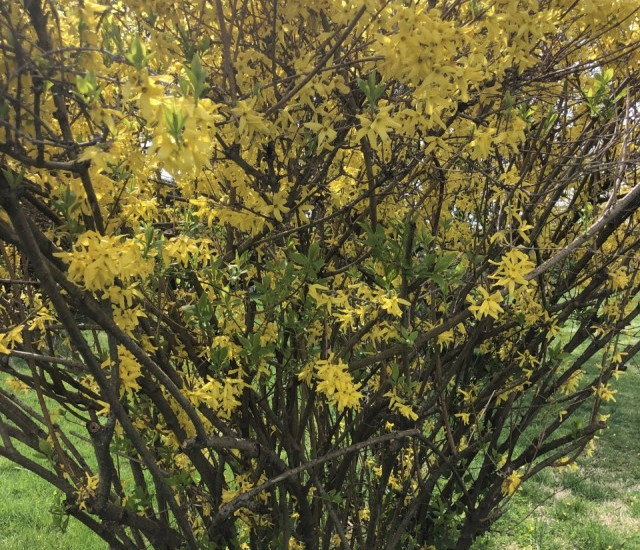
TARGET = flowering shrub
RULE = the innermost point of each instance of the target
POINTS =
(312, 274)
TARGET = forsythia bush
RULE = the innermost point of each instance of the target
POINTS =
(312, 274)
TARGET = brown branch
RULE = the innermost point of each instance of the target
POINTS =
(220, 443)
(323, 61)
(615, 214)
(243, 498)
(27, 355)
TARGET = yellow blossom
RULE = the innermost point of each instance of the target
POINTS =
(512, 270)
(338, 385)
(391, 304)
(488, 307)
(8, 339)
(511, 483)
(377, 126)
(604, 392)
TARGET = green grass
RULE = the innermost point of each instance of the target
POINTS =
(594, 508)
(26, 501)
(25, 517)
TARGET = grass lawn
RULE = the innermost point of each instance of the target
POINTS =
(25, 518)
(26, 501)
(594, 508)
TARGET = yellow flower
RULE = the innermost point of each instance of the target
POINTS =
(619, 279)
(501, 461)
(512, 270)
(397, 404)
(325, 134)
(481, 144)
(445, 338)
(511, 483)
(249, 121)
(17, 385)
(8, 338)
(223, 397)
(604, 392)
(86, 491)
(490, 305)
(391, 304)
(338, 385)
(97, 260)
(377, 127)
(571, 384)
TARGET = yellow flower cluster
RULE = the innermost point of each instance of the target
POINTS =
(489, 306)
(223, 397)
(96, 261)
(512, 270)
(511, 483)
(337, 385)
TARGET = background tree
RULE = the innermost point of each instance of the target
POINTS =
(312, 274)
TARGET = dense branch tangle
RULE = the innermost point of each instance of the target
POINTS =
(312, 276)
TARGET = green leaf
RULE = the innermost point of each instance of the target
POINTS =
(362, 84)
(197, 77)
(334, 496)
(46, 448)
(137, 54)
(87, 85)
(620, 95)
(175, 121)
(13, 179)
(371, 89)
(59, 514)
